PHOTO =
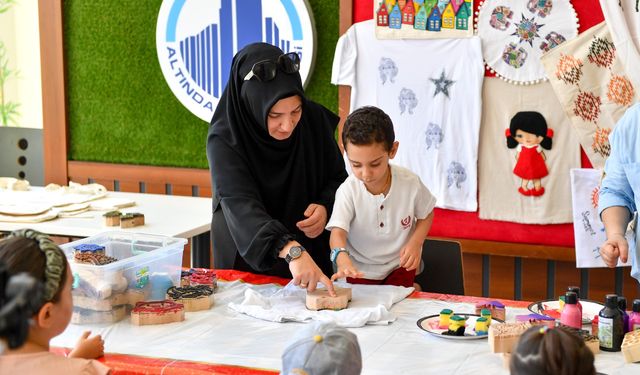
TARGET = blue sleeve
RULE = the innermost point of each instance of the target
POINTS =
(615, 189)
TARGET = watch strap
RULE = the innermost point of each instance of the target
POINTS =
(288, 258)
(336, 251)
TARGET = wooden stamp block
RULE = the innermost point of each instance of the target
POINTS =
(504, 337)
(631, 346)
(592, 342)
(157, 312)
(194, 298)
(203, 276)
(85, 316)
(131, 220)
(107, 304)
(320, 299)
(498, 310)
(112, 218)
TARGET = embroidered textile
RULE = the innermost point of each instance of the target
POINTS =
(516, 33)
(591, 83)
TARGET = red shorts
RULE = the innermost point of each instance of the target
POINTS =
(399, 276)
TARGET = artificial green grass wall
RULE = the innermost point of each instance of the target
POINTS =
(121, 110)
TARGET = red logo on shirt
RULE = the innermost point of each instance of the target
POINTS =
(406, 222)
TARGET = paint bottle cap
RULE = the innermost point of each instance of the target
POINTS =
(611, 301)
(575, 289)
(622, 303)
(570, 298)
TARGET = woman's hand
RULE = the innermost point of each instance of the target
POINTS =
(307, 274)
(316, 219)
(614, 247)
(345, 268)
(88, 348)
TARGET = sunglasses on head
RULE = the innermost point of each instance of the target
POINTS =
(266, 70)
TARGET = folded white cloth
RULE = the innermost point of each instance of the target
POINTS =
(370, 304)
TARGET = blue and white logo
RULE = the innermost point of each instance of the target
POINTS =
(197, 39)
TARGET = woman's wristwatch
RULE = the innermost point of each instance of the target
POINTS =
(334, 253)
(294, 253)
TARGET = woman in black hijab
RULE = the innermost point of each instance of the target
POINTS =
(275, 168)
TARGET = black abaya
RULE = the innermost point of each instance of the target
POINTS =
(262, 186)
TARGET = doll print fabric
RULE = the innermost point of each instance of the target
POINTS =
(501, 175)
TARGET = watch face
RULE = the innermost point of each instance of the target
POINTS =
(295, 252)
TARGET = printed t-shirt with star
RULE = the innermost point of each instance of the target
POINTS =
(379, 226)
(432, 91)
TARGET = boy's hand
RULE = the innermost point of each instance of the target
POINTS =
(615, 247)
(345, 268)
(410, 256)
(88, 348)
(316, 219)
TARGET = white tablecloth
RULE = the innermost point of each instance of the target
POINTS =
(221, 335)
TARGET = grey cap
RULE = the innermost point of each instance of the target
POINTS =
(322, 349)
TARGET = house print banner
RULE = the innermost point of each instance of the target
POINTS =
(591, 83)
(515, 33)
(423, 19)
(587, 227)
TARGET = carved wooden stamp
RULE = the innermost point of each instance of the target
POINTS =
(320, 299)
(157, 312)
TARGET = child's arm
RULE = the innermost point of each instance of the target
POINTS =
(411, 253)
(88, 348)
(338, 239)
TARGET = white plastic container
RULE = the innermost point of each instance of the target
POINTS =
(147, 265)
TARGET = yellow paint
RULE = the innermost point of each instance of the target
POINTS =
(486, 313)
(445, 315)
(482, 326)
(455, 323)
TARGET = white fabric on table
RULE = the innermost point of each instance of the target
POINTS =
(370, 304)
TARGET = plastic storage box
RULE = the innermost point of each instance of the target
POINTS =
(146, 266)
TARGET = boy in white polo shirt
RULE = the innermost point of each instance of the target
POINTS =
(382, 212)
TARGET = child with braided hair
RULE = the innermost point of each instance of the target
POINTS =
(551, 351)
(33, 253)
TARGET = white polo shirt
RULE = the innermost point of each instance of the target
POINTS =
(378, 226)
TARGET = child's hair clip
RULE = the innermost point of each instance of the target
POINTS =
(543, 330)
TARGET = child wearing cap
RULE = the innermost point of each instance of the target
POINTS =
(382, 212)
(322, 348)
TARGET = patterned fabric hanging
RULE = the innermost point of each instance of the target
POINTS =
(516, 33)
(623, 19)
(593, 87)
